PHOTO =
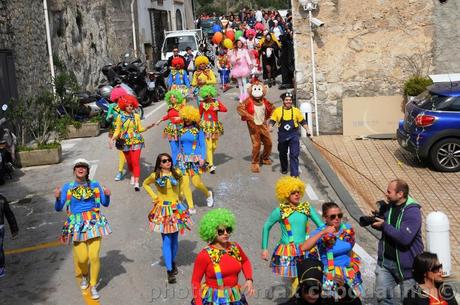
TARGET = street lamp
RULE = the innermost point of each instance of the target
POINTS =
(310, 5)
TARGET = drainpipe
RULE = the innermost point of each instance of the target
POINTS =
(48, 39)
(134, 28)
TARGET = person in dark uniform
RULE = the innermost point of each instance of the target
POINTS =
(310, 275)
(288, 118)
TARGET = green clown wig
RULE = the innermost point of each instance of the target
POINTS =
(207, 91)
(177, 94)
(286, 185)
(213, 220)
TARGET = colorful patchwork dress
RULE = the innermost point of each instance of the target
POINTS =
(192, 149)
(210, 123)
(169, 214)
(339, 259)
(221, 269)
(294, 229)
(129, 128)
(83, 202)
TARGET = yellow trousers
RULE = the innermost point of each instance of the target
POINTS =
(211, 146)
(121, 161)
(87, 253)
(196, 181)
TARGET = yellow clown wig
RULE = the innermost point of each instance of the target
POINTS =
(286, 185)
(190, 113)
(201, 59)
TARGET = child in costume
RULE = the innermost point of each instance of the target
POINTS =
(241, 66)
(175, 101)
(257, 67)
(220, 263)
(203, 75)
(333, 243)
(169, 215)
(192, 155)
(223, 66)
(178, 77)
(210, 124)
(128, 134)
(85, 225)
(292, 216)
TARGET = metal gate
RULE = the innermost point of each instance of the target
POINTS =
(8, 86)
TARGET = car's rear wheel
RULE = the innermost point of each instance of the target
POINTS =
(445, 155)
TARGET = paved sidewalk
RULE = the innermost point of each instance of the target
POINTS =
(382, 161)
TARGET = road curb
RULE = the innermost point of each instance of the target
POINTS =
(343, 194)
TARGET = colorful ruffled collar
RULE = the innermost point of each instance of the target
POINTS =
(161, 181)
(216, 254)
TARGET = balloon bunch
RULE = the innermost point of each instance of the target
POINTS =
(226, 39)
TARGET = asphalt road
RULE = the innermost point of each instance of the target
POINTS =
(40, 271)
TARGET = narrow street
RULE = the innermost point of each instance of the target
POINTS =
(40, 270)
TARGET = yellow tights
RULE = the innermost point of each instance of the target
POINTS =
(196, 181)
(121, 161)
(211, 146)
(84, 253)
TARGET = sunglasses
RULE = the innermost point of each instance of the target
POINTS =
(165, 161)
(436, 268)
(221, 231)
(334, 216)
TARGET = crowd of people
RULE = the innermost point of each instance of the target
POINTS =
(263, 44)
(320, 263)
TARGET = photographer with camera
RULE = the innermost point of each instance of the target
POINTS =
(400, 222)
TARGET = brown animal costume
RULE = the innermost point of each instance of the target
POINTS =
(256, 110)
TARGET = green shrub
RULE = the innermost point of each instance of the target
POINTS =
(416, 85)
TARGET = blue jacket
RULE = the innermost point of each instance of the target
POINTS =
(81, 205)
(406, 236)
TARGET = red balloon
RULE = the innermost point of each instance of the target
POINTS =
(217, 38)
(230, 34)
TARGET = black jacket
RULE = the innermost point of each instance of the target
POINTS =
(416, 296)
(5, 211)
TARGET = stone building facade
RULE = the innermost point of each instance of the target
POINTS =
(22, 31)
(369, 48)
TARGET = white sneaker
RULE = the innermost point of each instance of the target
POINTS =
(210, 200)
(84, 283)
(192, 211)
(132, 180)
(136, 187)
(94, 293)
(212, 169)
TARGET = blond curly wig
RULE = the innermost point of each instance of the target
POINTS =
(201, 59)
(190, 113)
(286, 185)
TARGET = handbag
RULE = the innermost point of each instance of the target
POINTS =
(120, 143)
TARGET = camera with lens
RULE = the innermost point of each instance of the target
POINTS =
(365, 221)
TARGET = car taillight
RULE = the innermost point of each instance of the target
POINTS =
(423, 120)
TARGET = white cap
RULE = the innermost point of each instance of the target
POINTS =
(81, 161)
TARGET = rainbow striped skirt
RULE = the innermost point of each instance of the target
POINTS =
(212, 129)
(84, 226)
(285, 258)
(222, 296)
(167, 217)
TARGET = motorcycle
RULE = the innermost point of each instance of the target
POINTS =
(79, 106)
(134, 75)
(156, 86)
(7, 149)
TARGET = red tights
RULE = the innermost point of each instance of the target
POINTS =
(133, 159)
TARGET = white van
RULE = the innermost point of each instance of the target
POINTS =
(181, 40)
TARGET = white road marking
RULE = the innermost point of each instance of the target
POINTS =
(154, 110)
(92, 172)
(155, 263)
(311, 193)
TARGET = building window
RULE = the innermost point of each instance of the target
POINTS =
(179, 20)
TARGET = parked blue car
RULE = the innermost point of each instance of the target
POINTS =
(431, 127)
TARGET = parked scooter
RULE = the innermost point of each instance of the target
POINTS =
(156, 86)
(7, 149)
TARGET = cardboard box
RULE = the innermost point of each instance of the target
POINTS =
(364, 116)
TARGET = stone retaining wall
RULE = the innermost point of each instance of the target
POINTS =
(364, 49)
